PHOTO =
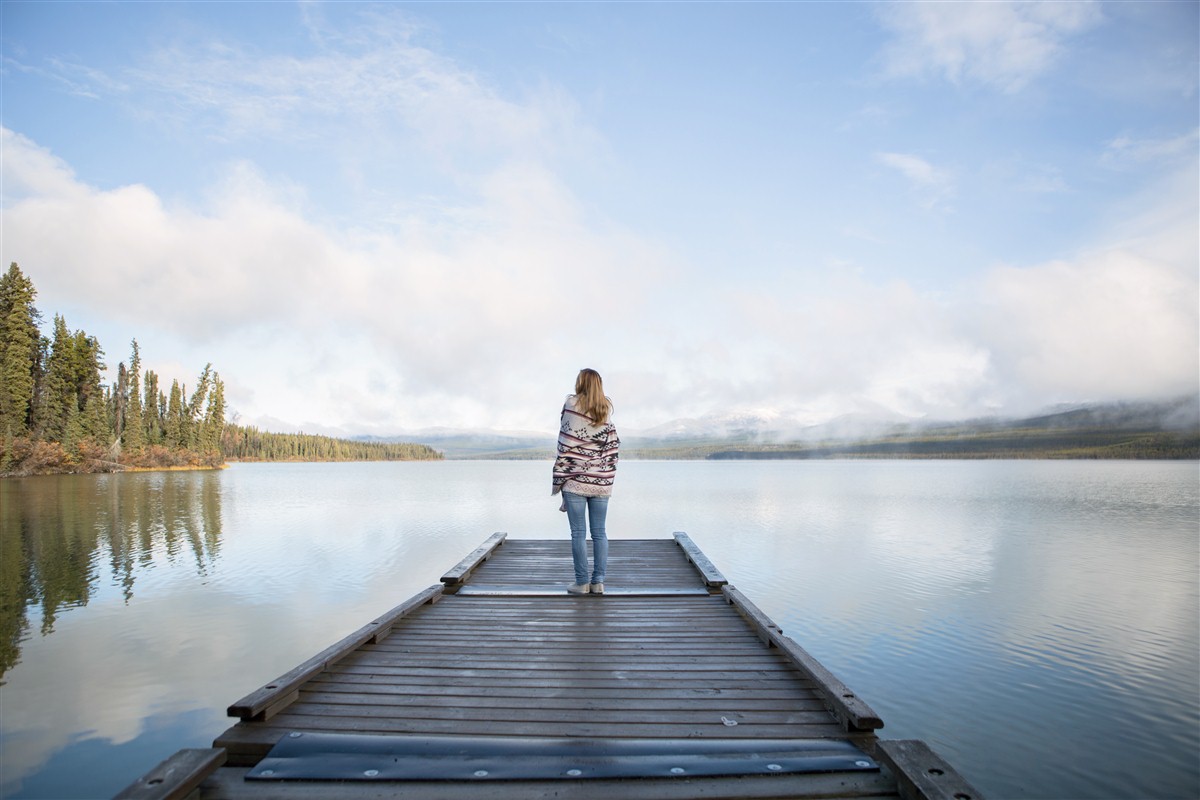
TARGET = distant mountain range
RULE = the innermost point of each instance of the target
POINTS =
(1168, 429)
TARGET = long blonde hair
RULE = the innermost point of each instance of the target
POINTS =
(590, 399)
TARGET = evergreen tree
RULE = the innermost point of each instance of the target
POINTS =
(20, 348)
(173, 425)
(40, 358)
(192, 417)
(152, 409)
(134, 438)
(58, 404)
(96, 423)
(88, 365)
(214, 418)
(119, 398)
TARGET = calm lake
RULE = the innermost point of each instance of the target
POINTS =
(1036, 622)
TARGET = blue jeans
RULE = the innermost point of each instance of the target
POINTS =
(597, 510)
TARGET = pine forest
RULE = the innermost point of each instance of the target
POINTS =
(58, 416)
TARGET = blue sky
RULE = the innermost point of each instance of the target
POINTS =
(380, 217)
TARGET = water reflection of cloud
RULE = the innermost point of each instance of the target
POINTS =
(941, 593)
(186, 649)
(195, 634)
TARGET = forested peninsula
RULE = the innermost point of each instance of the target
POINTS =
(58, 416)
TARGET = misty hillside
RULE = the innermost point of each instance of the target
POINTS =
(1169, 429)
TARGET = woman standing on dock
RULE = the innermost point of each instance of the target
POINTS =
(584, 471)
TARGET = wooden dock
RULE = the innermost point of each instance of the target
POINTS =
(497, 684)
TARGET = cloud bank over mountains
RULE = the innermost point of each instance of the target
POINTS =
(463, 243)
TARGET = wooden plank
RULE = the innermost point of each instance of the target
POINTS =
(689, 642)
(609, 611)
(851, 709)
(773, 693)
(230, 784)
(582, 626)
(288, 721)
(694, 662)
(463, 569)
(273, 696)
(921, 773)
(372, 711)
(504, 639)
(606, 612)
(654, 675)
(711, 575)
(511, 649)
(563, 602)
(175, 777)
(518, 677)
(645, 565)
(359, 695)
(587, 613)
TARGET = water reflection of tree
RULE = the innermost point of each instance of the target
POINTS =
(57, 533)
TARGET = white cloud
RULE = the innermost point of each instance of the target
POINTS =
(1120, 320)
(932, 184)
(368, 86)
(314, 318)
(472, 297)
(479, 322)
(1004, 45)
(75, 79)
(1130, 151)
(1110, 325)
(812, 348)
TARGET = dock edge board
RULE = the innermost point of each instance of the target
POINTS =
(921, 773)
(463, 569)
(712, 576)
(175, 777)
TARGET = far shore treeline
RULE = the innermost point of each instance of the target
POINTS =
(57, 416)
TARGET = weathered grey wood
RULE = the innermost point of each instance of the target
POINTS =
(257, 741)
(712, 576)
(498, 649)
(763, 625)
(230, 784)
(371, 711)
(274, 696)
(619, 642)
(650, 662)
(515, 657)
(922, 774)
(614, 703)
(463, 569)
(175, 777)
(795, 694)
(568, 679)
(649, 566)
(850, 708)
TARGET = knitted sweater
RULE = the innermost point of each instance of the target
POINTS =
(587, 454)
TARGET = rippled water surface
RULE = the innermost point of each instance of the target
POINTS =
(1036, 622)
